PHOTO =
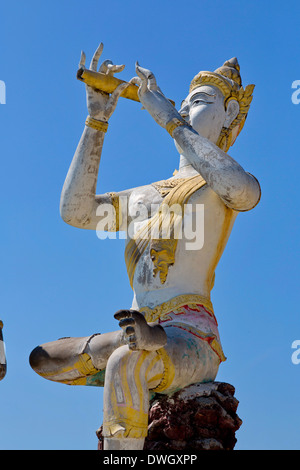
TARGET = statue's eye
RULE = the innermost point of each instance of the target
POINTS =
(198, 101)
(201, 101)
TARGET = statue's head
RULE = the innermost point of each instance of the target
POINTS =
(217, 104)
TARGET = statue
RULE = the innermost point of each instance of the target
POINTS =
(169, 337)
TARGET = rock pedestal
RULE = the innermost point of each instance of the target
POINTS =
(198, 417)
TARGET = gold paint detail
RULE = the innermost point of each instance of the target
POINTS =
(127, 418)
(162, 248)
(83, 366)
(225, 231)
(161, 312)
(169, 371)
(165, 186)
(126, 428)
(174, 123)
(162, 255)
(215, 345)
(96, 124)
(115, 200)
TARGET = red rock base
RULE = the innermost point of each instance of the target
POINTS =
(198, 417)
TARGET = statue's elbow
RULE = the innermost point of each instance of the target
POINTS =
(74, 218)
(68, 216)
(65, 214)
(245, 197)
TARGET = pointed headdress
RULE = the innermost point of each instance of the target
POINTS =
(228, 79)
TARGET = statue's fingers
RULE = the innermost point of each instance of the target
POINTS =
(152, 85)
(135, 81)
(146, 74)
(111, 69)
(96, 57)
(104, 66)
(81, 64)
(142, 74)
(113, 99)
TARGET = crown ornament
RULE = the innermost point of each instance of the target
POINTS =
(228, 80)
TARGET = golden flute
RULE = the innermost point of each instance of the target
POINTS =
(108, 83)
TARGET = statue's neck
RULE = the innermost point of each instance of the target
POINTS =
(185, 168)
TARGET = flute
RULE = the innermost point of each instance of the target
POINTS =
(108, 83)
(2, 354)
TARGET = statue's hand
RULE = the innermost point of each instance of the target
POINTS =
(101, 105)
(152, 98)
(138, 334)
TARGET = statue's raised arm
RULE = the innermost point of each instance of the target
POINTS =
(79, 202)
(206, 126)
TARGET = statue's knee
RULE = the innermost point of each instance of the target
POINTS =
(38, 358)
(118, 359)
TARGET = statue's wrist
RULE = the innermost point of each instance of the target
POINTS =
(97, 124)
(174, 123)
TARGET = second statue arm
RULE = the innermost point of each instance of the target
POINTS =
(79, 203)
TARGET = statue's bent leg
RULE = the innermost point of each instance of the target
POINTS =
(130, 375)
(75, 361)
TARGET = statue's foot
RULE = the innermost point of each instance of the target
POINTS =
(138, 334)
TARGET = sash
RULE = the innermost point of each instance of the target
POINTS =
(163, 229)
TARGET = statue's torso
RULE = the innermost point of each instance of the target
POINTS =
(195, 263)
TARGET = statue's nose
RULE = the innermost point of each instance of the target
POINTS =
(184, 113)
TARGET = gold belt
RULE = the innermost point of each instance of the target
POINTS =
(160, 312)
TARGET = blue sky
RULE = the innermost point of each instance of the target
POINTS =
(61, 281)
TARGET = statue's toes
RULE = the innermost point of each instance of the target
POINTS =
(122, 314)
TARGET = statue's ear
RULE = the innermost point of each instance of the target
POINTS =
(232, 111)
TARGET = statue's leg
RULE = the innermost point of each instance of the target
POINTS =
(129, 376)
(75, 361)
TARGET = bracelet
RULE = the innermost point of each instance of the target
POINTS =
(173, 123)
(96, 124)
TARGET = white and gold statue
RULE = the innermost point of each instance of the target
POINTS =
(169, 337)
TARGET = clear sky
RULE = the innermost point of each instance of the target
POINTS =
(61, 281)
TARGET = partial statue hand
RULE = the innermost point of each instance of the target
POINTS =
(152, 98)
(138, 334)
(101, 105)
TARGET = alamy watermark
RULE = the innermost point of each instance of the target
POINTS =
(296, 354)
(2, 92)
(157, 222)
(296, 94)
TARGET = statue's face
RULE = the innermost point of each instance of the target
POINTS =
(204, 110)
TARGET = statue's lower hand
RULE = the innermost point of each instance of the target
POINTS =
(138, 334)
(152, 98)
(102, 105)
